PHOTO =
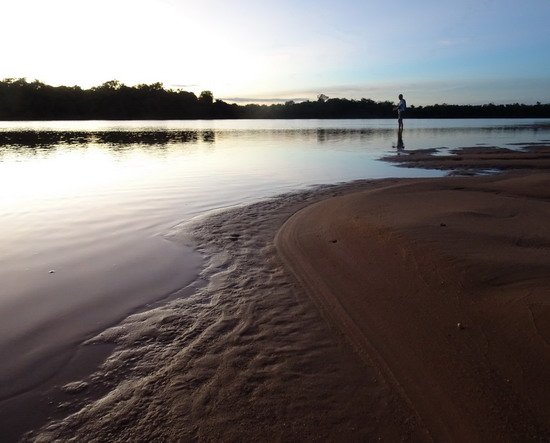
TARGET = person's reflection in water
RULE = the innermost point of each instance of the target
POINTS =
(400, 145)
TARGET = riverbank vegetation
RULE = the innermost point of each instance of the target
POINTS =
(24, 100)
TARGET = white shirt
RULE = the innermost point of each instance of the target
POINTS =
(402, 105)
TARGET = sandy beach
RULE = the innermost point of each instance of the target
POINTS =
(413, 309)
(444, 284)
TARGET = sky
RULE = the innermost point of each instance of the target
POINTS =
(432, 51)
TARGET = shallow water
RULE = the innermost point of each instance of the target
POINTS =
(87, 208)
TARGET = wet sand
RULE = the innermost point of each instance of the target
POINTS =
(42, 331)
(475, 158)
(246, 357)
(394, 309)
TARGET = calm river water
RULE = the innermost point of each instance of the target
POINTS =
(86, 206)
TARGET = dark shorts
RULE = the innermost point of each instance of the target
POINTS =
(400, 115)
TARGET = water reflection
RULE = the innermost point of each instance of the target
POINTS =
(350, 134)
(329, 135)
(208, 136)
(400, 146)
(46, 139)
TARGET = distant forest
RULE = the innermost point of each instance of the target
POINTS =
(23, 100)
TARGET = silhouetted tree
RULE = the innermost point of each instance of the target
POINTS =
(206, 97)
(322, 98)
(111, 85)
(23, 100)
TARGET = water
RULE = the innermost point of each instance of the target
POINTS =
(86, 206)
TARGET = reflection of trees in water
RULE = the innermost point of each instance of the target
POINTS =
(48, 139)
(45, 139)
(331, 135)
(324, 135)
(119, 139)
(208, 136)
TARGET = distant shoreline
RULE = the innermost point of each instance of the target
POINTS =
(29, 101)
(273, 118)
(537, 122)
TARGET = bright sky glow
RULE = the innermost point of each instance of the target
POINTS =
(434, 51)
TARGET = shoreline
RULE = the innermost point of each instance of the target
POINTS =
(248, 348)
(52, 396)
(248, 355)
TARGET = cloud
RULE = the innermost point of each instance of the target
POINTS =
(263, 99)
(183, 86)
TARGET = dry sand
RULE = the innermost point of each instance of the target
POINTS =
(415, 309)
(445, 285)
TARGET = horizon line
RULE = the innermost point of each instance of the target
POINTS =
(270, 100)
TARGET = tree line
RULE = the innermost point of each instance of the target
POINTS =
(23, 100)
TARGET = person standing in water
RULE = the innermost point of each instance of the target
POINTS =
(401, 108)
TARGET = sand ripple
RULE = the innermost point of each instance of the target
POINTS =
(247, 356)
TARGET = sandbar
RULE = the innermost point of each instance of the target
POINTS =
(445, 285)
